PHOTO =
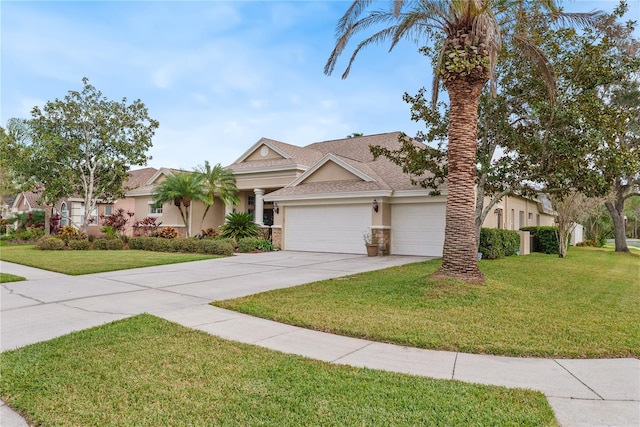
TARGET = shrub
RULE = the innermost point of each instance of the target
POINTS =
(146, 227)
(185, 245)
(496, 243)
(79, 245)
(216, 247)
(167, 233)
(545, 239)
(141, 243)
(592, 243)
(209, 233)
(68, 232)
(239, 225)
(50, 243)
(250, 244)
(108, 244)
(116, 223)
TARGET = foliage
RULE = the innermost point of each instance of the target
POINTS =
(220, 182)
(69, 232)
(116, 223)
(590, 243)
(158, 373)
(252, 244)
(181, 189)
(30, 219)
(583, 306)
(166, 233)
(204, 246)
(146, 227)
(239, 225)
(498, 243)
(84, 144)
(108, 244)
(545, 238)
(79, 245)
(50, 243)
(209, 233)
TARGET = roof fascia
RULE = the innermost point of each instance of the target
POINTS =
(261, 141)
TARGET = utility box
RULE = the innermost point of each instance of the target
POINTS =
(525, 242)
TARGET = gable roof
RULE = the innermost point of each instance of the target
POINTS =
(354, 155)
(292, 157)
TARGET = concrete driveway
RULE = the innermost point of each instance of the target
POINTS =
(581, 392)
(51, 304)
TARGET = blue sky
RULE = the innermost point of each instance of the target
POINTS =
(217, 75)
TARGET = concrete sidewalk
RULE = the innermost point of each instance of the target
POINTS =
(581, 392)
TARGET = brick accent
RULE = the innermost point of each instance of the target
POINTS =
(276, 237)
(383, 237)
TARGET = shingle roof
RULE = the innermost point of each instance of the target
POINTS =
(298, 156)
(138, 178)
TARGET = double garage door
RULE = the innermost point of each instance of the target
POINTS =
(416, 228)
(334, 228)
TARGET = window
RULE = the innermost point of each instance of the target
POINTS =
(538, 220)
(512, 220)
(498, 213)
(108, 210)
(64, 213)
(155, 208)
(251, 200)
(93, 216)
(530, 216)
(520, 219)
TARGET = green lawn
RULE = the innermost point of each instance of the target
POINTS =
(6, 278)
(148, 371)
(87, 262)
(584, 306)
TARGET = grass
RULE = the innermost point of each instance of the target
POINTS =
(6, 278)
(87, 262)
(148, 371)
(584, 306)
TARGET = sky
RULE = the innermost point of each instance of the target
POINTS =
(217, 75)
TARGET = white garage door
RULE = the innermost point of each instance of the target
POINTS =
(417, 229)
(336, 228)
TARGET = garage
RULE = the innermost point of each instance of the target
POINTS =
(417, 229)
(328, 228)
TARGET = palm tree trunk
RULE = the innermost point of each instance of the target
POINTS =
(459, 257)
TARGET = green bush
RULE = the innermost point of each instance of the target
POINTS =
(108, 244)
(68, 233)
(50, 243)
(250, 244)
(496, 243)
(188, 245)
(239, 225)
(545, 239)
(79, 245)
(216, 247)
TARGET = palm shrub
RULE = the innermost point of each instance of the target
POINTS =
(239, 225)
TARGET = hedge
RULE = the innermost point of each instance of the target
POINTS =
(191, 245)
(250, 244)
(108, 244)
(498, 243)
(544, 239)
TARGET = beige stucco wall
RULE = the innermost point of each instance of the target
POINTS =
(331, 172)
(517, 212)
(256, 155)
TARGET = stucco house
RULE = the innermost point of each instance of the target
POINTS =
(326, 195)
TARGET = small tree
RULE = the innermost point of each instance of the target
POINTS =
(571, 208)
(181, 189)
(220, 182)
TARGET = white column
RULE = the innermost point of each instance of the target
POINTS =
(227, 210)
(258, 212)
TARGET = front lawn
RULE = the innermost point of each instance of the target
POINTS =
(6, 278)
(87, 262)
(148, 371)
(584, 306)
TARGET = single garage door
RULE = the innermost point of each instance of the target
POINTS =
(417, 229)
(336, 228)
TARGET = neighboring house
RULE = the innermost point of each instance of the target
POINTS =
(141, 198)
(6, 202)
(514, 212)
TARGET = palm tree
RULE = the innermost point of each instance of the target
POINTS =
(220, 182)
(181, 189)
(471, 33)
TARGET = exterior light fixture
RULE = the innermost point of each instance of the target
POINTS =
(375, 205)
(276, 209)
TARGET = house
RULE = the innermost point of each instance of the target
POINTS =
(326, 195)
